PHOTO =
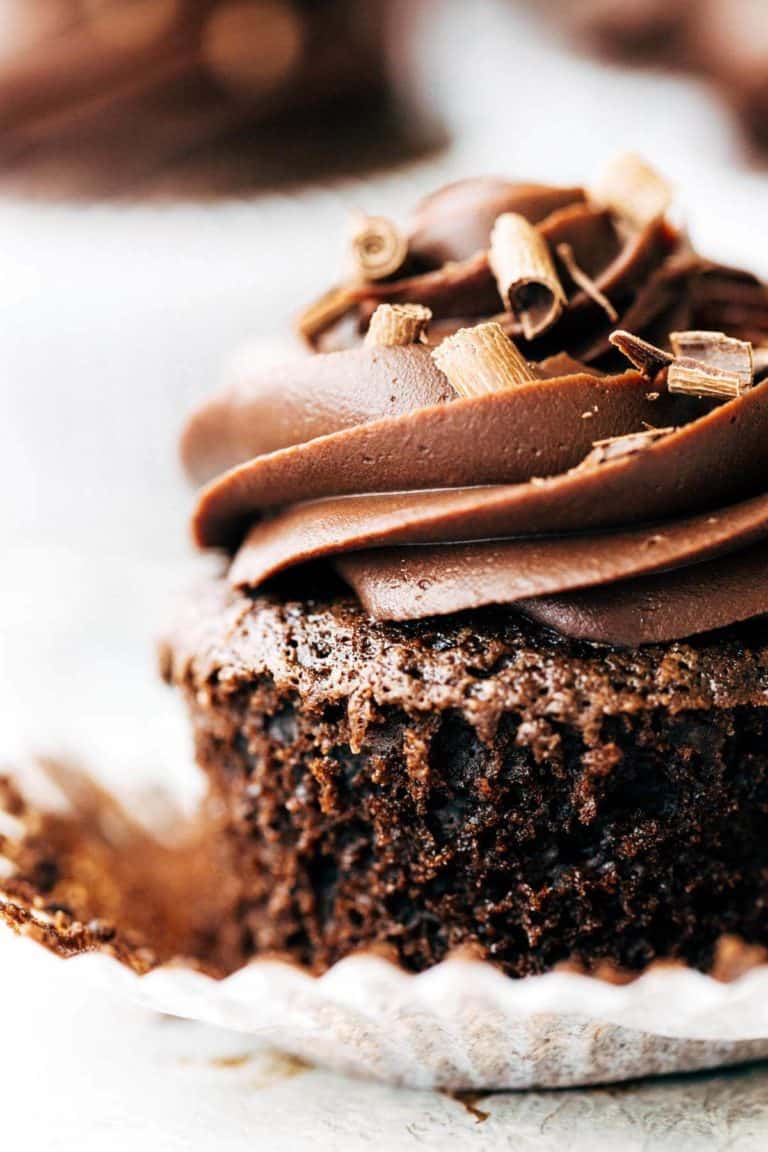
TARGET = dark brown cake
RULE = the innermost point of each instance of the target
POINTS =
(479, 780)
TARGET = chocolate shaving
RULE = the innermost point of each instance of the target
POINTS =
(525, 274)
(694, 378)
(718, 365)
(481, 359)
(585, 282)
(633, 190)
(613, 447)
(379, 249)
(729, 362)
(647, 358)
(397, 325)
(325, 311)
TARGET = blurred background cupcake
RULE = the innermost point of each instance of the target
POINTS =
(198, 96)
(725, 41)
(204, 97)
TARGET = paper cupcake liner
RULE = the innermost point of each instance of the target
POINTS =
(460, 1025)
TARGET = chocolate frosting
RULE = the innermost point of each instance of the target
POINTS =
(429, 503)
(535, 430)
(717, 456)
(437, 579)
(684, 602)
(455, 222)
(299, 401)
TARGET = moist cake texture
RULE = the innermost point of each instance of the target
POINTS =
(479, 781)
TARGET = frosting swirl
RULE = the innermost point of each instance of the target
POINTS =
(429, 503)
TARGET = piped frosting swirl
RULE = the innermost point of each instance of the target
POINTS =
(429, 503)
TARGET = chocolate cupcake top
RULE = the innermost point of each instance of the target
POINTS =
(550, 401)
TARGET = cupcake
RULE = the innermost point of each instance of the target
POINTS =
(480, 689)
(722, 40)
(488, 665)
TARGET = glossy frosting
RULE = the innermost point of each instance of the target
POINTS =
(429, 503)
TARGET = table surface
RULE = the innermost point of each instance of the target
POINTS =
(114, 320)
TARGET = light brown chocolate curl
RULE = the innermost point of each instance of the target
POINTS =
(525, 274)
(727, 367)
(612, 447)
(704, 364)
(397, 325)
(692, 378)
(379, 248)
(633, 190)
(481, 359)
(324, 311)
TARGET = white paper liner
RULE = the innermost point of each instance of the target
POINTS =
(461, 1025)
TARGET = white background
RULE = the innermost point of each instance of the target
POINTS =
(113, 320)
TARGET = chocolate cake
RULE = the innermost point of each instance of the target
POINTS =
(488, 665)
(478, 779)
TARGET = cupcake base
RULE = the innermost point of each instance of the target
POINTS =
(479, 782)
(157, 922)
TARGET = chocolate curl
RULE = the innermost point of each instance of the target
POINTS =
(703, 364)
(525, 274)
(633, 190)
(379, 249)
(585, 282)
(692, 378)
(710, 364)
(647, 358)
(324, 311)
(480, 360)
(613, 447)
(396, 325)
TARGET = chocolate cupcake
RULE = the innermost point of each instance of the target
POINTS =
(489, 664)
(724, 41)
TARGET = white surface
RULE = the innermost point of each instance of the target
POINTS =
(111, 322)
